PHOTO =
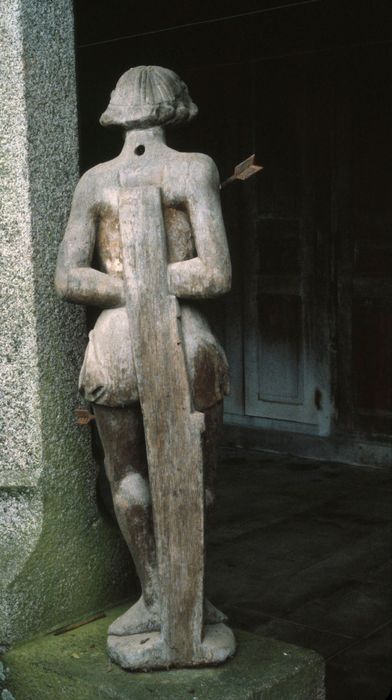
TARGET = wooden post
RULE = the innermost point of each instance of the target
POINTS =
(173, 430)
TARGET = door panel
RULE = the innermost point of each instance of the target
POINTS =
(280, 357)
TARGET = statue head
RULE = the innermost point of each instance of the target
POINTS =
(147, 96)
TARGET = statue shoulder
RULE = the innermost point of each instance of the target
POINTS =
(92, 180)
(201, 169)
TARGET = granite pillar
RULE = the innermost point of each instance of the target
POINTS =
(61, 558)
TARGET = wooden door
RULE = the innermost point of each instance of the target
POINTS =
(363, 227)
(287, 330)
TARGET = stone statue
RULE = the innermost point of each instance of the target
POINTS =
(145, 241)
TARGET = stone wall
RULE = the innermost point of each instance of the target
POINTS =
(61, 559)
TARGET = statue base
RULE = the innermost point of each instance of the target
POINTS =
(148, 651)
(76, 665)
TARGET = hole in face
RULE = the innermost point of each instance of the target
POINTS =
(139, 150)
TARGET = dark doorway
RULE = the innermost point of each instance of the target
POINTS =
(304, 85)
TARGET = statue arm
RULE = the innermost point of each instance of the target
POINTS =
(75, 279)
(209, 274)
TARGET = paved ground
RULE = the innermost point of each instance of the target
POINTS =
(301, 551)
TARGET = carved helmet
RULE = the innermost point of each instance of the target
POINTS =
(148, 96)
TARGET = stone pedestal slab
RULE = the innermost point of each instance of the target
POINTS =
(75, 665)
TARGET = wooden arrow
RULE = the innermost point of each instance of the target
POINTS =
(83, 416)
(243, 171)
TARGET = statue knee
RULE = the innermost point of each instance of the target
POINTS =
(132, 491)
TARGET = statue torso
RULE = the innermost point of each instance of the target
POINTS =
(171, 177)
(108, 365)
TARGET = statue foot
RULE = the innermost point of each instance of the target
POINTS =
(149, 651)
(139, 619)
(136, 620)
(212, 615)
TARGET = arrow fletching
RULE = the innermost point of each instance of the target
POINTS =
(244, 170)
(83, 416)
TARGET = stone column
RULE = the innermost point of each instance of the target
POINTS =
(60, 558)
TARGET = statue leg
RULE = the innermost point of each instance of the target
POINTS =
(122, 437)
(121, 433)
(213, 426)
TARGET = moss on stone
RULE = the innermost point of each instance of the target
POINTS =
(75, 665)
